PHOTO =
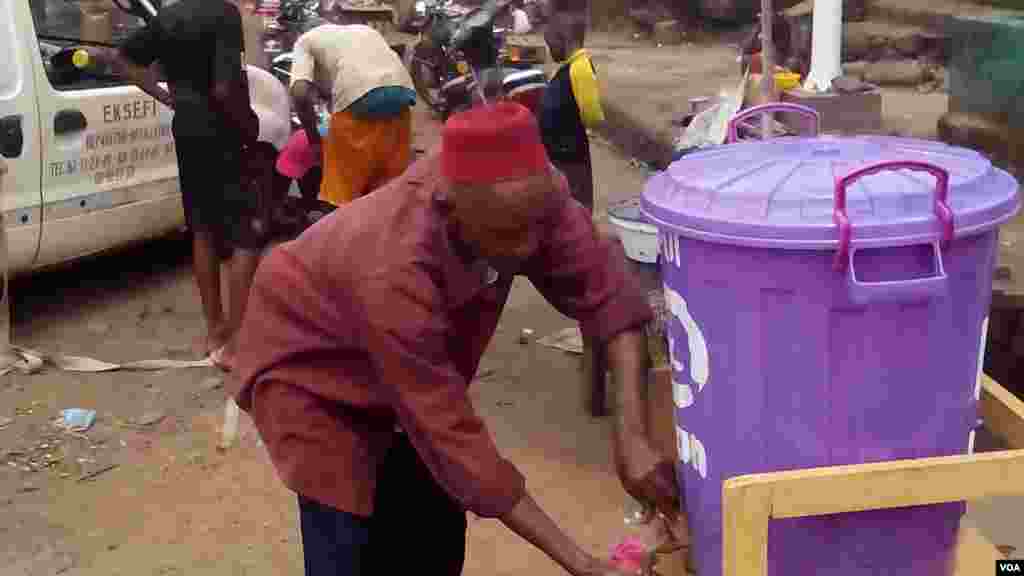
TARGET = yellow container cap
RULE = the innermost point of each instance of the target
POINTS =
(80, 58)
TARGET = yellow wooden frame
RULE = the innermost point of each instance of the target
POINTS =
(750, 501)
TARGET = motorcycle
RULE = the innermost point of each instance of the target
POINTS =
(457, 50)
(144, 9)
(295, 17)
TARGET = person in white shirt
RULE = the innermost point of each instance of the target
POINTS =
(369, 91)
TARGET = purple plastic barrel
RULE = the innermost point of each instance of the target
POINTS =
(828, 302)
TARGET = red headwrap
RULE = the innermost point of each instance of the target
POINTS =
(492, 143)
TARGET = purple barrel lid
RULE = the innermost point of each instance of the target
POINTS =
(782, 193)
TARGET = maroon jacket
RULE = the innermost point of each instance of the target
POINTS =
(372, 318)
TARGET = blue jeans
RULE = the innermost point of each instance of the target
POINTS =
(416, 527)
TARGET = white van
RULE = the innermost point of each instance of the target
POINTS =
(91, 161)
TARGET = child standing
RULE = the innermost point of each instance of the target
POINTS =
(572, 104)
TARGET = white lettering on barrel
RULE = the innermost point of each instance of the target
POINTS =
(977, 380)
(699, 363)
(683, 445)
(677, 365)
(699, 457)
(682, 394)
(692, 452)
(981, 359)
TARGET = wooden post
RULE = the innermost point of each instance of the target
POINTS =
(1002, 412)
(767, 66)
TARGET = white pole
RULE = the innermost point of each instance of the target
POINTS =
(826, 45)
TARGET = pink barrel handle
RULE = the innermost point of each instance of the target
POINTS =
(942, 210)
(811, 113)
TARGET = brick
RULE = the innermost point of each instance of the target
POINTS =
(855, 69)
(907, 45)
(895, 73)
(858, 41)
(840, 113)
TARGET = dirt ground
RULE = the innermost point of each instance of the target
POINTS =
(652, 85)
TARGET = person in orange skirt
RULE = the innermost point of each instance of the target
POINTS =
(369, 93)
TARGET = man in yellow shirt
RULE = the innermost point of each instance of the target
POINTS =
(571, 105)
(369, 136)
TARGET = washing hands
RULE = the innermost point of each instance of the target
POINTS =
(637, 553)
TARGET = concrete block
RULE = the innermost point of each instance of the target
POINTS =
(858, 41)
(845, 114)
(990, 134)
(855, 69)
(896, 73)
(907, 45)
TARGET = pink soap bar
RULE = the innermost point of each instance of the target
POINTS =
(631, 555)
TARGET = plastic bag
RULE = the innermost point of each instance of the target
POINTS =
(710, 127)
(77, 419)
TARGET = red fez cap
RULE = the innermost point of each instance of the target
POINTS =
(491, 143)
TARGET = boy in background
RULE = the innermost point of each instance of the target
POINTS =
(571, 105)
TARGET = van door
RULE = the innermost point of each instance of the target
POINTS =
(19, 137)
(109, 172)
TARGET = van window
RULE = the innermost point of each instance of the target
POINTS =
(66, 23)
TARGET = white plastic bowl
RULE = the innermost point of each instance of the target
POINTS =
(639, 239)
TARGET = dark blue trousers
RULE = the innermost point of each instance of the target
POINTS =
(416, 527)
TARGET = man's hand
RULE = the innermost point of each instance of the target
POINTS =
(671, 536)
(645, 474)
(146, 79)
(648, 476)
(304, 95)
